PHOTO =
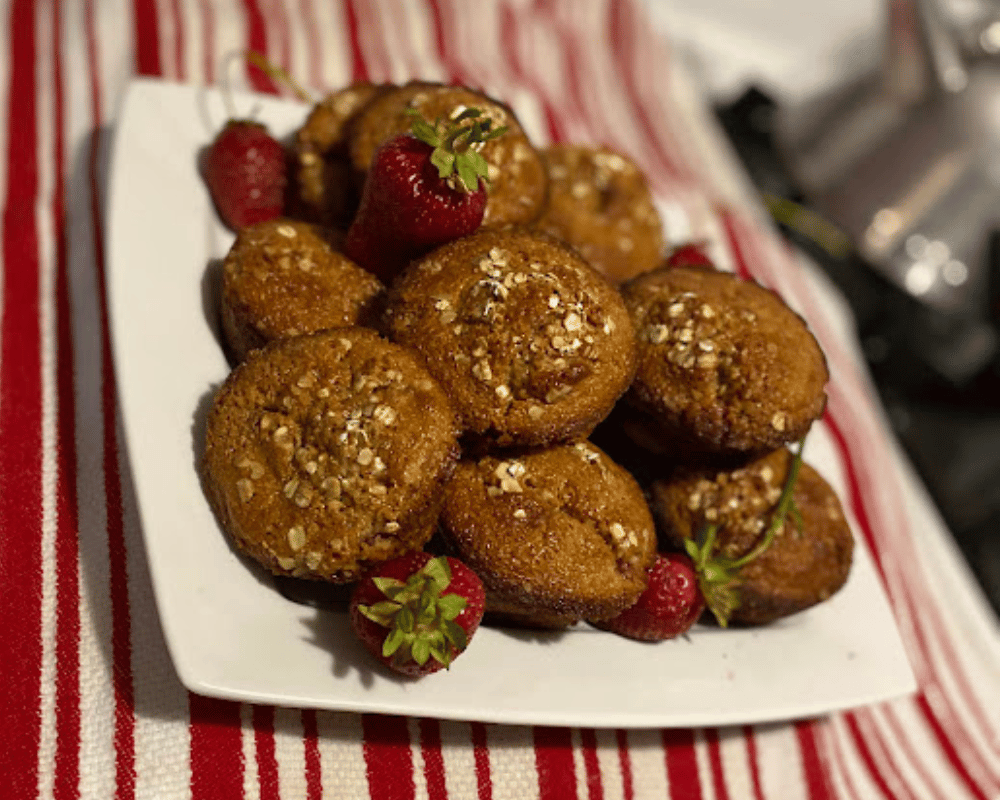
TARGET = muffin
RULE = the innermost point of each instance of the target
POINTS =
(326, 453)
(725, 369)
(599, 202)
(517, 181)
(283, 278)
(322, 179)
(532, 345)
(556, 535)
(810, 556)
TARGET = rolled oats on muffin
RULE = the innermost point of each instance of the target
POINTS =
(809, 558)
(517, 178)
(556, 535)
(284, 278)
(600, 203)
(531, 344)
(326, 454)
(725, 368)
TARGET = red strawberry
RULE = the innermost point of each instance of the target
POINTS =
(404, 616)
(423, 189)
(670, 605)
(245, 173)
(690, 255)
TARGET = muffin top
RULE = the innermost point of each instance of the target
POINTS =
(517, 179)
(600, 203)
(810, 556)
(561, 531)
(283, 278)
(324, 450)
(724, 365)
(321, 173)
(532, 345)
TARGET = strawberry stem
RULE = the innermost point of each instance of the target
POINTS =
(716, 578)
(456, 145)
(419, 616)
(785, 505)
(275, 72)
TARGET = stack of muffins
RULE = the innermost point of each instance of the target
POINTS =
(461, 401)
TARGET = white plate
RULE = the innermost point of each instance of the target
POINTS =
(229, 632)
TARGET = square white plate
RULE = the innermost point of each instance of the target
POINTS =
(232, 635)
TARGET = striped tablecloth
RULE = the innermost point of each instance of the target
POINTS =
(89, 704)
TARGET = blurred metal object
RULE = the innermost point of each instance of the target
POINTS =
(906, 160)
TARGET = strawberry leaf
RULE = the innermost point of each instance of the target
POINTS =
(390, 587)
(451, 605)
(393, 642)
(420, 650)
(438, 572)
(455, 634)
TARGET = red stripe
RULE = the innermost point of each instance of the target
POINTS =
(121, 623)
(621, 34)
(264, 750)
(257, 41)
(359, 70)
(208, 41)
(66, 778)
(715, 764)
(178, 18)
(430, 749)
(753, 761)
(217, 764)
(481, 754)
(813, 767)
(510, 37)
(442, 43)
(625, 763)
(313, 45)
(314, 766)
(147, 38)
(388, 761)
(682, 764)
(20, 425)
(588, 746)
(554, 763)
(861, 744)
(915, 760)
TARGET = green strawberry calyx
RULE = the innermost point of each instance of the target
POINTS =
(419, 615)
(456, 144)
(717, 574)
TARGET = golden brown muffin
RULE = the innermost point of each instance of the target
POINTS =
(322, 179)
(725, 367)
(283, 278)
(326, 453)
(517, 181)
(557, 535)
(809, 558)
(532, 345)
(600, 203)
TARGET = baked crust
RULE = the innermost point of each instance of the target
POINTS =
(599, 202)
(325, 454)
(725, 367)
(517, 179)
(532, 345)
(557, 535)
(809, 558)
(284, 278)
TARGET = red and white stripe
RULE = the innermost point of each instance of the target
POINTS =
(91, 707)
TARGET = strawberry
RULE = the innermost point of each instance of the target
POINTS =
(691, 254)
(670, 605)
(423, 189)
(404, 616)
(245, 172)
